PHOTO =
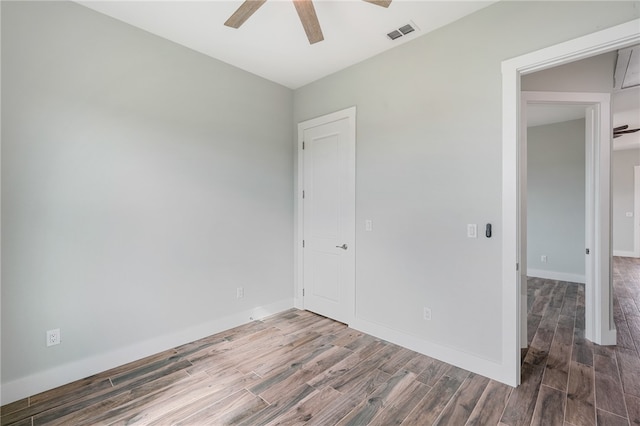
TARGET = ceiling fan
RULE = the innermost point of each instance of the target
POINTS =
(621, 130)
(305, 9)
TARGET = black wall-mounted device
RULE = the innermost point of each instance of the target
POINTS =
(487, 232)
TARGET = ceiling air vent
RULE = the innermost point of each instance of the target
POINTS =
(406, 29)
(394, 34)
(402, 31)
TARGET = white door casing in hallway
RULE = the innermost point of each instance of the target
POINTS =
(327, 258)
(596, 107)
(597, 181)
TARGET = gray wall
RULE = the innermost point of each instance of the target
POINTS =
(623, 163)
(556, 197)
(141, 184)
(593, 74)
(135, 196)
(551, 231)
(429, 162)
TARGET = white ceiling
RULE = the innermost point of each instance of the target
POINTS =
(272, 43)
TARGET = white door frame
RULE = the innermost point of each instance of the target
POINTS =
(613, 38)
(350, 114)
(635, 251)
(636, 211)
(599, 326)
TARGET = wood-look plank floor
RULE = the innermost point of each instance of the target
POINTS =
(300, 368)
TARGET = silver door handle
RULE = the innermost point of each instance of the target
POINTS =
(343, 247)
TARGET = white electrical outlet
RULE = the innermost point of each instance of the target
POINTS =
(472, 230)
(53, 337)
(426, 314)
(629, 214)
(368, 225)
(239, 292)
(543, 259)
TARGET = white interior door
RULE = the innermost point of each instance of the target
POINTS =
(329, 216)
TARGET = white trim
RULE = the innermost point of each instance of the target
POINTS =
(522, 220)
(592, 121)
(67, 373)
(298, 228)
(511, 287)
(613, 38)
(624, 253)
(558, 276)
(350, 114)
(459, 358)
(636, 211)
(1, 211)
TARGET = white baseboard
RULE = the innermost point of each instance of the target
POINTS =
(609, 337)
(67, 373)
(485, 367)
(553, 275)
(623, 253)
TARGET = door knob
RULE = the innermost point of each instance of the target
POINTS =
(343, 247)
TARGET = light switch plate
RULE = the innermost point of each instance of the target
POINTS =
(472, 230)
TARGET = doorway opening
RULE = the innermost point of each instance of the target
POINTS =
(617, 37)
(595, 238)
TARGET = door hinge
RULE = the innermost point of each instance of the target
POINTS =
(587, 251)
(303, 292)
(302, 144)
(302, 243)
(517, 266)
(303, 193)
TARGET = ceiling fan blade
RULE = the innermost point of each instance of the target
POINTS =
(617, 129)
(624, 132)
(383, 3)
(243, 13)
(309, 19)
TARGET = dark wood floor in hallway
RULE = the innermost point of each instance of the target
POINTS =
(300, 368)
